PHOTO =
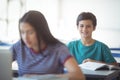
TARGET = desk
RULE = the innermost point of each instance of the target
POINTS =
(101, 75)
(42, 77)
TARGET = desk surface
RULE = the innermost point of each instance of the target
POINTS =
(42, 77)
(105, 75)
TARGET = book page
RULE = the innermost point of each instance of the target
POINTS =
(112, 67)
(92, 65)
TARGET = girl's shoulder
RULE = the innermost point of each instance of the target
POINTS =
(17, 45)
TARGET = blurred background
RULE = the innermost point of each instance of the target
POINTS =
(61, 16)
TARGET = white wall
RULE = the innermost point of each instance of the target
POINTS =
(61, 16)
(49, 8)
(107, 13)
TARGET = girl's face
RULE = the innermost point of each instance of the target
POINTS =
(85, 28)
(28, 35)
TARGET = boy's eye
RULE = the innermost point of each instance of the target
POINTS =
(81, 26)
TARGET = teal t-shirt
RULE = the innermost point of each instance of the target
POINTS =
(97, 51)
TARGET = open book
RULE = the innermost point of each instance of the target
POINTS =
(98, 66)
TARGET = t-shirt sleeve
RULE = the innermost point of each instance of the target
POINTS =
(107, 55)
(64, 54)
(70, 48)
(69, 45)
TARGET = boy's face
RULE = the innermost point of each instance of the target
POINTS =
(85, 28)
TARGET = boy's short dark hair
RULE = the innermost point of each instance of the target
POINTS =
(87, 16)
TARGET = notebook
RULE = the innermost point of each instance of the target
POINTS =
(5, 64)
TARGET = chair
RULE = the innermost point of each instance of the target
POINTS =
(116, 54)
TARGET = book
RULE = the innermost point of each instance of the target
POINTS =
(98, 66)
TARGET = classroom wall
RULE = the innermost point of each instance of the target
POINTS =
(107, 13)
(61, 16)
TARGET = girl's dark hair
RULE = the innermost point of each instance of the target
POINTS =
(37, 20)
(87, 16)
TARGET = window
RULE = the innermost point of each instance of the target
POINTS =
(11, 11)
